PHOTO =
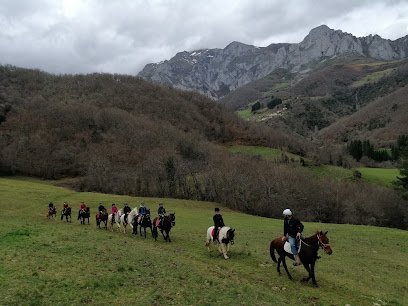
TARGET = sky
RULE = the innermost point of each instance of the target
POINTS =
(122, 36)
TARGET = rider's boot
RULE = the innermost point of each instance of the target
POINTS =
(297, 261)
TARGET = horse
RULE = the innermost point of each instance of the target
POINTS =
(308, 253)
(165, 226)
(130, 219)
(66, 212)
(52, 212)
(85, 214)
(116, 221)
(224, 241)
(102, 217)
(145, 222)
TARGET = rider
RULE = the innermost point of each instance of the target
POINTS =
(50, 208)
(114, 211)
(101, 209)
(126, 211)
(82, 208)
(64, 207)
(142, 212)
(292, 230)
(161, 211)
(218, 222)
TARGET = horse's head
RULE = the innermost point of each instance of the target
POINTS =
(231, 235)
(324, 242)
(172, 218)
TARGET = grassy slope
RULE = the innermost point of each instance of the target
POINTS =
(263, 152)
(48, 262)
(378, 176)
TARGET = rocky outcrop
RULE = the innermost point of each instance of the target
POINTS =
(216, 72)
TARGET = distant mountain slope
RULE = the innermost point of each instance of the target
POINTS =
(315, 99)
(381, 121)
(216, 72)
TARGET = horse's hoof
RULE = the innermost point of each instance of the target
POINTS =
(316, 285)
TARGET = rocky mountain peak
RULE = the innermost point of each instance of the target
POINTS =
(216, 72)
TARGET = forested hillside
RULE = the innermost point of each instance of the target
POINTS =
(120, 134)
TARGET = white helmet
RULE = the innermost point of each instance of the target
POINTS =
(287, 212)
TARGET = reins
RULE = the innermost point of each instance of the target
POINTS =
(321, 243)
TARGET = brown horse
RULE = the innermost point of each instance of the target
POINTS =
(308, 253)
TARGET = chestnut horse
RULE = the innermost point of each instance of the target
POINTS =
(308, 253)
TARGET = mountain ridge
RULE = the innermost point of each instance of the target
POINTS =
(217, 72)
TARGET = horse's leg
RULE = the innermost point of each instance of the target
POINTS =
(309, 276)
(168, 236)
(312, 270)
(286, 268)
(278, 266)
(164, 237)
(224, 250)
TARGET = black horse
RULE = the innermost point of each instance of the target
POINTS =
(164, 226)
(308, 253)
(144, 222)
(102, 217)
(84, 214)
(66, 212)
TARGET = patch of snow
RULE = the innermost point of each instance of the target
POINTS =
(210, 55)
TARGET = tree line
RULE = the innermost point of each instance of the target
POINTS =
(120, 134)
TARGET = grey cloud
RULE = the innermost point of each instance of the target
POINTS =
(123, 36)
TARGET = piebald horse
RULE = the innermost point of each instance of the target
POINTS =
(111, 222)
(131, 217)
(225, 239)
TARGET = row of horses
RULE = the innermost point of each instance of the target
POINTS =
(120, 221)
(308, 250)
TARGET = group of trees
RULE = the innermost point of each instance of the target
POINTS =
(119, 134)
(357, 149)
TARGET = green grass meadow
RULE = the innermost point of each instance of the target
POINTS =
(50, 262)
(262, 152)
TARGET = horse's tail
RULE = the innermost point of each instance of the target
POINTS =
(272, 252)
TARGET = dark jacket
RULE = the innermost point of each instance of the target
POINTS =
(218, 221)
(292, 227)
(101, 208)
(161, 210)
(127, 209)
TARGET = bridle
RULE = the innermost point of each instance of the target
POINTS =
(323, 245)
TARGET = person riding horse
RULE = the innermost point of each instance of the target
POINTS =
(101, 208)
(114, 211)
(64, 207)
(161, 211)
(51, 209)
(292, 230)
(82, 208)
(126, 211)
(142, 212)
(218, 222)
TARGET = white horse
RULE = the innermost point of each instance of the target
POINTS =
(117, 220)
(224, 241)
(130, 219)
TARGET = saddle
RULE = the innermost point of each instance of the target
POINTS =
(287, 248)
(158, 223)
(218, 233)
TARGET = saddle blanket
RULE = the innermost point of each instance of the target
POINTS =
(287, 248)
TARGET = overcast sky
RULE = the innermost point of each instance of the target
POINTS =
(121, 36)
